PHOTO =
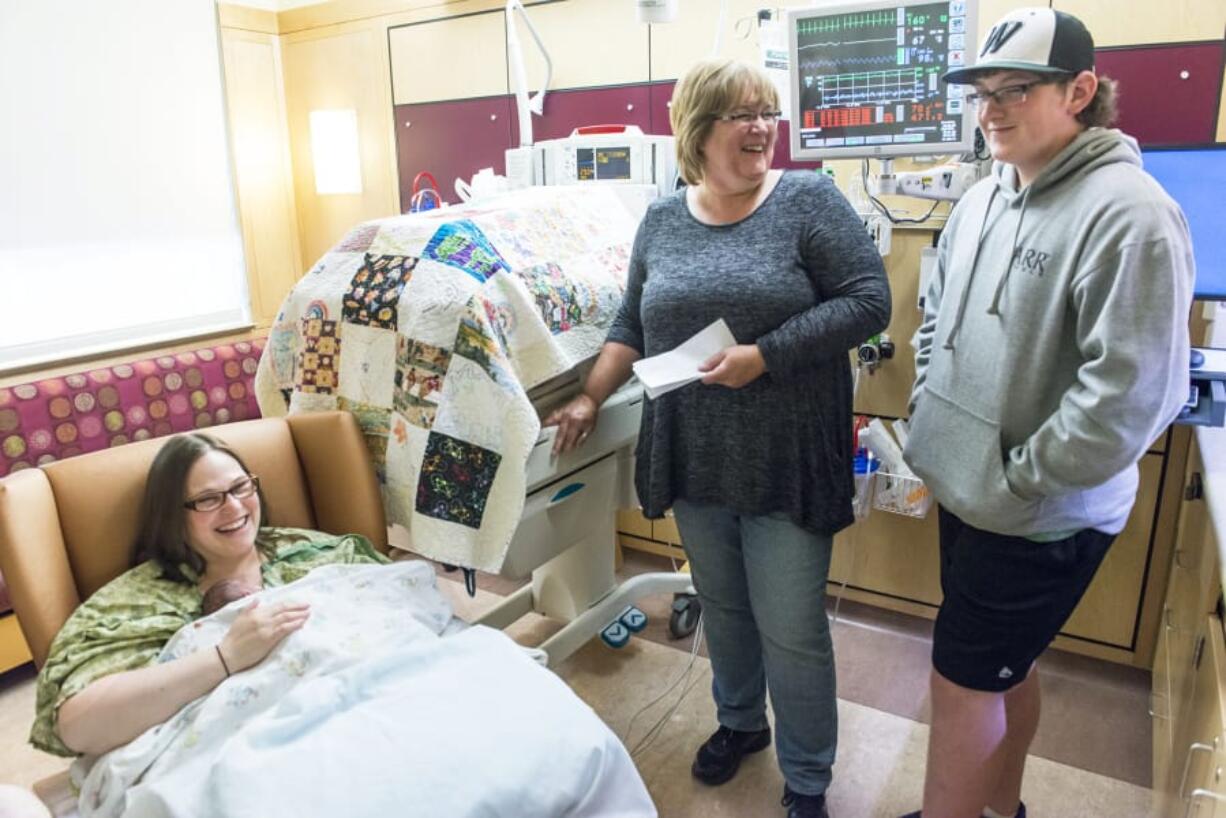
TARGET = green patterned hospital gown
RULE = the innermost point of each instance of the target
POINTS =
(125, 624)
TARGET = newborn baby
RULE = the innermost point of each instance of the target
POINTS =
(222, 593)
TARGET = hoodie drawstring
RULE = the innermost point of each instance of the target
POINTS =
(1004, 279)
(966, 291)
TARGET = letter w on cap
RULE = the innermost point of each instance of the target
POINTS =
(999, 35)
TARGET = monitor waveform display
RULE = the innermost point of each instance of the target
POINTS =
(846, 22)
(810, 66)
(874, 76)
(873, 86)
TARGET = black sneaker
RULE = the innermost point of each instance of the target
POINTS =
(804, 806)
(1021, 813)
(718, 759)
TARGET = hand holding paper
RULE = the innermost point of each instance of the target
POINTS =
(734, 367)
(670, 370)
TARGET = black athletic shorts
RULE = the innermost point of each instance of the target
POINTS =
(1006, 598)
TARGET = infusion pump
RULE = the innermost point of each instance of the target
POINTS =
(596, 153)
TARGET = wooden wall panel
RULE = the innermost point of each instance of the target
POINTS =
(591, 43)
(1137, 22)
(264, 178)
(343, 67)
(1168, 94)
(427, 65)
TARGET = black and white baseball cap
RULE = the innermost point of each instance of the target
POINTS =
(1042, 40)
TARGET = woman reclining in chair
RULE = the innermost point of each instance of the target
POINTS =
(200, 525)
(370, 702)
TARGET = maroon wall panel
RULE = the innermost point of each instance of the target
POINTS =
(661, 93)
(567, 110)
(783, 151)
(451, 139)
(1160, 106)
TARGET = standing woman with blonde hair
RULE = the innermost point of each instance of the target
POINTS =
(755, 460)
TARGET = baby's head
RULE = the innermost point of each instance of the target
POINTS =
(223, 593)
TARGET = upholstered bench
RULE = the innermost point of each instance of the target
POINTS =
(56, 418)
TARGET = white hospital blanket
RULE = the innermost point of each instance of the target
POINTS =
(368, 711)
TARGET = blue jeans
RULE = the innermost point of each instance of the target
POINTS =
(762, 584)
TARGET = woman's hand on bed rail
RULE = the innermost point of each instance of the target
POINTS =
(575, 421)
(259, 629)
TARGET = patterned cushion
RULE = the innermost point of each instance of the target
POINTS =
(60, 417)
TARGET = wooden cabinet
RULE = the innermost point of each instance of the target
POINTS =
(1108, 612)
(1188, 775)
(1189, 671)
(892, 556)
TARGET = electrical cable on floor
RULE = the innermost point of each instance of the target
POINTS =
(647, 741)
(654, 731)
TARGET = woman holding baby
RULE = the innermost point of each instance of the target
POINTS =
(200, 544)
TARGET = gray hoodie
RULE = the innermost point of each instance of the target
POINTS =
(1054, 346)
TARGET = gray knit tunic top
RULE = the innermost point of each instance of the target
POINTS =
(800, 278)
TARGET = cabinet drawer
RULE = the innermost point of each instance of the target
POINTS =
(891, 554)
(665, 530)
(560, 514)
(631, 521)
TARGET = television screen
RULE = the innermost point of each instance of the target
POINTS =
(865, 79)
(1196, 179)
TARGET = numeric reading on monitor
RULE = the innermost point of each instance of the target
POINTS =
(873, 78)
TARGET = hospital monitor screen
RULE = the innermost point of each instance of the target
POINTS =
(865, 79)
(1195, 179)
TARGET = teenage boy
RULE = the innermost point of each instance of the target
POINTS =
(1054, 349)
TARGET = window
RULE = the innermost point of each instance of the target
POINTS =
(118, 222)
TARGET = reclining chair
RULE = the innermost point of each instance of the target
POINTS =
(66, 529)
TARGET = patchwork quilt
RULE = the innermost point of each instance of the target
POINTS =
(431, 328)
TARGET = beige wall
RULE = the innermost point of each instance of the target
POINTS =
(256, 106)
(339, 67)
